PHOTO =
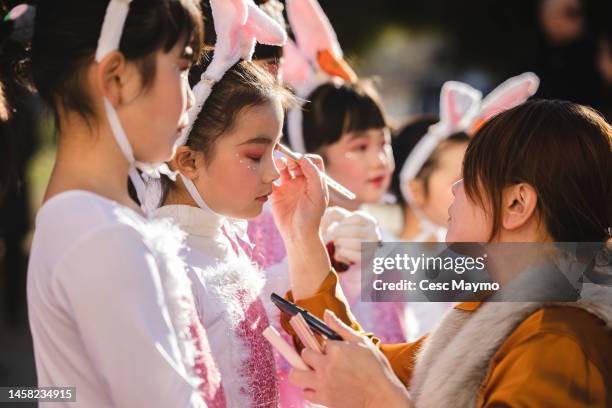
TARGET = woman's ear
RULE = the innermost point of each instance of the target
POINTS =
(519, 203)
(185, 161)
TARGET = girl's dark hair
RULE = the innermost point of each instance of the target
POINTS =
(16, 143)
(335, 109)
(404, 142)
(563, 150)
(244, 85)
(66, 37)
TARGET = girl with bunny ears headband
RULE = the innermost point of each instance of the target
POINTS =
(343, 120)
(226, 174)
(462, 111)
(114, 73)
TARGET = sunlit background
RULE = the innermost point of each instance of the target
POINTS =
(410, 47)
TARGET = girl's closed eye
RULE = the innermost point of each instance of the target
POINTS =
(254, 155)
(360, 147)
(255, 158)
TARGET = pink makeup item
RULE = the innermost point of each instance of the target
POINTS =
(284, 348)
(304, 333)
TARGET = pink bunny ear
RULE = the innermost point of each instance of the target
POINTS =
(459, 103)
(228, 17)
(295, 69)
(312, 29)
(509, 94)
(264, 28)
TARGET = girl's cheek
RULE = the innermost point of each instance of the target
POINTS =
(247, 163)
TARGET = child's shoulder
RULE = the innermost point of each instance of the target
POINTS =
(72, 216)
(79, 212)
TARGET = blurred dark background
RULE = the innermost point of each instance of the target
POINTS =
(412, 46)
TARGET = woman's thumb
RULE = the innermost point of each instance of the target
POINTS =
(337, 325)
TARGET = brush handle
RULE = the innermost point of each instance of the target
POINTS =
(331, 183)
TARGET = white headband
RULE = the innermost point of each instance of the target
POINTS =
(110, 38)
(461, 109)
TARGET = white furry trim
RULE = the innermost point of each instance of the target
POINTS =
(454, 360)
(166, 240)
(224, 281)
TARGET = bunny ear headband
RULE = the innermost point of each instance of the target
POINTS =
(314, 59)
(462, 109)
(239, 24)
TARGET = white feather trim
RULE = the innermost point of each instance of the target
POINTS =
(224, 281)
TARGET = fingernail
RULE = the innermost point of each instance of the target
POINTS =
(331, 314)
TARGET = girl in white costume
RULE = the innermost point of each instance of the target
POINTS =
(226, 173)
(110, 306)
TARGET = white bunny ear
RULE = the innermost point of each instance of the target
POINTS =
(264, 28)
(259, 27)
(228, 17)
(237, 23)
(312, 29)
(459, 102)
(295, 69)
(509, 94)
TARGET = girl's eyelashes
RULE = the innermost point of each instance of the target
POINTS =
(256, 159)
(362, 147)
(254, 155)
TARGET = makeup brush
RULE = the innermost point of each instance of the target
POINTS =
(331, 183)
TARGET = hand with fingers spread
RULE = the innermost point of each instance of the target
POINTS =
(298, 203)
(347, 230)
(350, 373)
(301, 198)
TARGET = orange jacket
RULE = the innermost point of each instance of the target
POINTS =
(559, 356)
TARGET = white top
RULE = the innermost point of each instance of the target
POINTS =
(227, 287)
(98, 311)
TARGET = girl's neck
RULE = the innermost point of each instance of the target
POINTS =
(88, 158)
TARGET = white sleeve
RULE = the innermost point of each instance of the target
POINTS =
(110, 284)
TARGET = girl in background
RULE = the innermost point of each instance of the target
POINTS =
(342, 120)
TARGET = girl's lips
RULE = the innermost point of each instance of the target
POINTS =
(262, 198)
(377, 181)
